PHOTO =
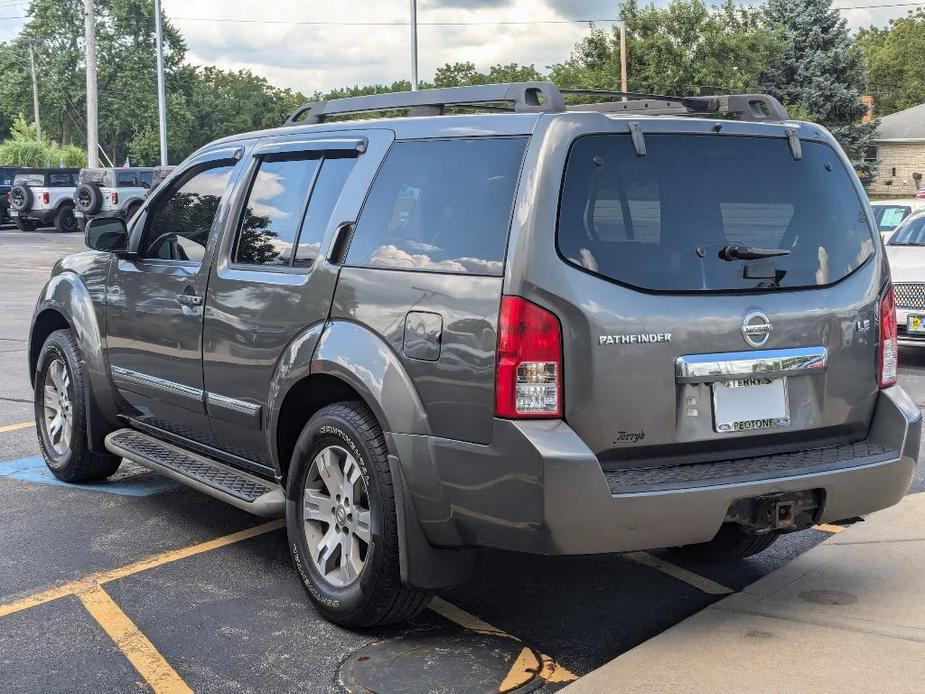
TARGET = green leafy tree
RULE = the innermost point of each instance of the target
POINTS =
(820, 72)
(686, 47)
(464, 74)
(896, 63)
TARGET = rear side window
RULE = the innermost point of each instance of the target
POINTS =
(325, 193)
(888, 217)
(273, 215)
(64, 180)
(662, 221)
(33, 179)
(442, 206)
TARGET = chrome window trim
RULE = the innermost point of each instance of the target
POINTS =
(727, 366)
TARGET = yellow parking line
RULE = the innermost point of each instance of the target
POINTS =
(829, 528)
(549, 669)
(696, 580)
(135, 567)
(16, 427)
(140, 652)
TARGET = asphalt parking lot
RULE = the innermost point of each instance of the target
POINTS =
(140, 584)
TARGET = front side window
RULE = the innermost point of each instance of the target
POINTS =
(180, 220)
(441, 206)
(6, 177)
(665, 221)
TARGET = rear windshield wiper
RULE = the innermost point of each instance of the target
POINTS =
(734, 252)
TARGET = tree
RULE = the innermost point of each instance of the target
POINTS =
(684, 48)
(463, 74)
(820, 72)
(896, 68)
(23, 149)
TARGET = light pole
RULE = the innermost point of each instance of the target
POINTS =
(161, 96)
(92, 118)
(414, 45)
(35, 93)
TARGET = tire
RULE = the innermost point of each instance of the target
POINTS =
(67, 454)
(730, 544)
(66, 220)
(371, 595)
(21, 197)
(25, 224)
(88, 198)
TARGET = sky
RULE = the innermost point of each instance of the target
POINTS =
(309, 45)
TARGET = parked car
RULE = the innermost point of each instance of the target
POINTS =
(111, 192)
(160, 175)
(44, 197)
(561, 330)
(890, 213)
(7, 173)
(920, 195)
(906, 253)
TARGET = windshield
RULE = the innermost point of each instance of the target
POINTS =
(910, 233)
(34, 179)
(707, 213)
(888, 217)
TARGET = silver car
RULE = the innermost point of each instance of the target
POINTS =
(906, 253)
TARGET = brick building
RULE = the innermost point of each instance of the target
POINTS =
(900, 154)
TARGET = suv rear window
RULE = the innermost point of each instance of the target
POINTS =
(888, 217)
(442, 206)
(658, 222)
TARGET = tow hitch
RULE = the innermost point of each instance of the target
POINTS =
(784, 512)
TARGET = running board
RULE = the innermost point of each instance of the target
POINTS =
(245, 491)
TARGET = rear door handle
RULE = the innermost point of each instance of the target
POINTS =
(189, 299)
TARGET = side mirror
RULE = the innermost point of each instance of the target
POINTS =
(107, 234)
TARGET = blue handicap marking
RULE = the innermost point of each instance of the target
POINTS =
(129, 480)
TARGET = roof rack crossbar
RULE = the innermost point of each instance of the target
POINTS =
(524, 97)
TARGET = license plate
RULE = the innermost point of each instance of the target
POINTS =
(749, 404)
(79, 215)
(915, 323)
(14, 213)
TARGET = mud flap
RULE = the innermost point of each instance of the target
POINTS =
(424, 566)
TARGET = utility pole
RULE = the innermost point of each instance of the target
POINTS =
(414, 45)
(35, 94)
(624, 84)
(161, 96)
(92, 118)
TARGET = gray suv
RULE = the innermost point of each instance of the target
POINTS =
(564, 329)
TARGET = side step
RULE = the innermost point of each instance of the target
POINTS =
(245, 491)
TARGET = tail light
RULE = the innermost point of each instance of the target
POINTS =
(889, 341)
(528, 382)
(45, 197)
(114, 195)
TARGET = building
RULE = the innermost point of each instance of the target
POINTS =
(900, 154)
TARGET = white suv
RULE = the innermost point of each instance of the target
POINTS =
(112, 192)
(44, 197)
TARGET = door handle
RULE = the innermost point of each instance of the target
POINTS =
(189, 299)
(338, 251)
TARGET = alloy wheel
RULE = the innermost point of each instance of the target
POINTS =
(335, 511)
(57, 406)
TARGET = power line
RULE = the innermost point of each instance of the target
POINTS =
(393, 23)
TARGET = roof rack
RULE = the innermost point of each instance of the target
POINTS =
(541, 97)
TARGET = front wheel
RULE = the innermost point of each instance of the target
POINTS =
(731, 543)
(341, 520)
(60, 413)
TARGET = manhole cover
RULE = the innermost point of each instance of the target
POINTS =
(443, 663)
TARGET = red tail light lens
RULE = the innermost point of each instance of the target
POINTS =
(115, 197)
(889, 340)
(528, 383)
(45, 197)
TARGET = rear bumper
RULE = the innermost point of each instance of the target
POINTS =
(43, 217)
(537, 488)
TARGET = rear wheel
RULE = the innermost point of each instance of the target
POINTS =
(731, 543)
(60, 413)
(341, 521)
(25, 224)
(66, 220)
